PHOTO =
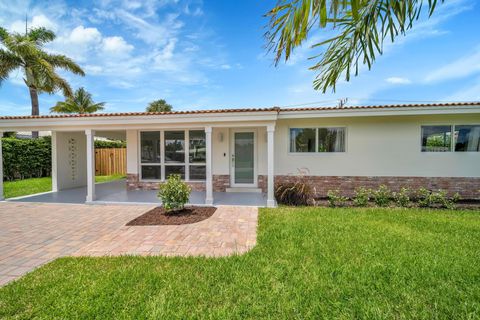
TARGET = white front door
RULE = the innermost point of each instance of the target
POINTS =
(243, 164)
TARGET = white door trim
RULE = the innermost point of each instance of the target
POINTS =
(255, 162)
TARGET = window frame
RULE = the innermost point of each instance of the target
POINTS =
(437, 125)
(162, 164)
(316, 152)
(452, 137)
(454, 140)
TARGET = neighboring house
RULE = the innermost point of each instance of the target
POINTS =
(431, 145)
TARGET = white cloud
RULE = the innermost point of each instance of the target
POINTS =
(116, 46)
(460, 68)
(163, 58)
(398, 80)
(151, 33)
(225, 67)
(37, 21)
(82, 35)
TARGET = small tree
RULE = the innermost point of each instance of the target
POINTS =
(174, 193)
(80, 103)
(159, 106)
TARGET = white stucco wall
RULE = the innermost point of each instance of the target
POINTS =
(378, 146)
(375, 146)
(132, 152)
(69, 160)
(221, 151)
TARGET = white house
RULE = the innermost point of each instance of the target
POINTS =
(232, 150)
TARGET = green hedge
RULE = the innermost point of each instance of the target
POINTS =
(26, 158)
(110, 144)
(32, 158)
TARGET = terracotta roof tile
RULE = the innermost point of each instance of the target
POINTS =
(388, 106)
(216, 111)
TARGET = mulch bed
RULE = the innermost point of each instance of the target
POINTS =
(158, 216)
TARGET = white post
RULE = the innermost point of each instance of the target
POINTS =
(54, 162)
(90, 135)
(270, 165)
(209, 177)
(1, 168)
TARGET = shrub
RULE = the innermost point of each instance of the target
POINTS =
(298, 193)
(26, 158)
(335, 199)
(174, 193)
(362, 196)
(108, 144)
(402, 198)
(429, 199)
(382, 196)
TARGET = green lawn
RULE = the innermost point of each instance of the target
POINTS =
(18, 188)
(309, 263)
(25, 187)
(109, 178)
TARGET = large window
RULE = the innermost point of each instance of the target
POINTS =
(467, 138)
(174, 160)
(318, 140)
(436, 138)
(446, 138)
(150, 149)
(331, 139)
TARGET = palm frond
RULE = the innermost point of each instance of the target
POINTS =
(64, 62)
(41, 35)
(360, 28)
(81, 102)
(8, 63)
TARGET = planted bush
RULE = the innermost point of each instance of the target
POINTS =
(439, 199)
(382, 196)
(362, 196)
(336, 199)
(402, 198)
(298, 193)
(174, 193)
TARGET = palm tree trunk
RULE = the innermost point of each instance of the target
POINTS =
(35, 108)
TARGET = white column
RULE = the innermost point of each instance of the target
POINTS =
(1, 168)
(90, 135)
(270, 166)
(209, 177)
(54, 162)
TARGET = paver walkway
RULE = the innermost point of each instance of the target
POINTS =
(32, 234)
(230, 230)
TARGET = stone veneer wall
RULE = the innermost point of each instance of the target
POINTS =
(220, 183)
(468, 188)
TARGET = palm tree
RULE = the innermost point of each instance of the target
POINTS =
(25, 52)
(81, 103)
(159, 106)
(360, 28)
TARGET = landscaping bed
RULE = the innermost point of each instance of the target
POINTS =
(159, 216)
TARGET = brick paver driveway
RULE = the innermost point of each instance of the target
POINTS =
(32, 234)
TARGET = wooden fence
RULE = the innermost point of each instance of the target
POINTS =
(110, 161)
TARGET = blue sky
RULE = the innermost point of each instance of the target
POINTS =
(210, 54)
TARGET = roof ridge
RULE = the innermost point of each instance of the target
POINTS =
(233, 110)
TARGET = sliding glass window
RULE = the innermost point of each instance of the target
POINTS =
(317, 140)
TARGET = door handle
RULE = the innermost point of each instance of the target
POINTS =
(233, 159)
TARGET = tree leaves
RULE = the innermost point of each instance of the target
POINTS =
(360, 28)
(24, 51)
(80, 102)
